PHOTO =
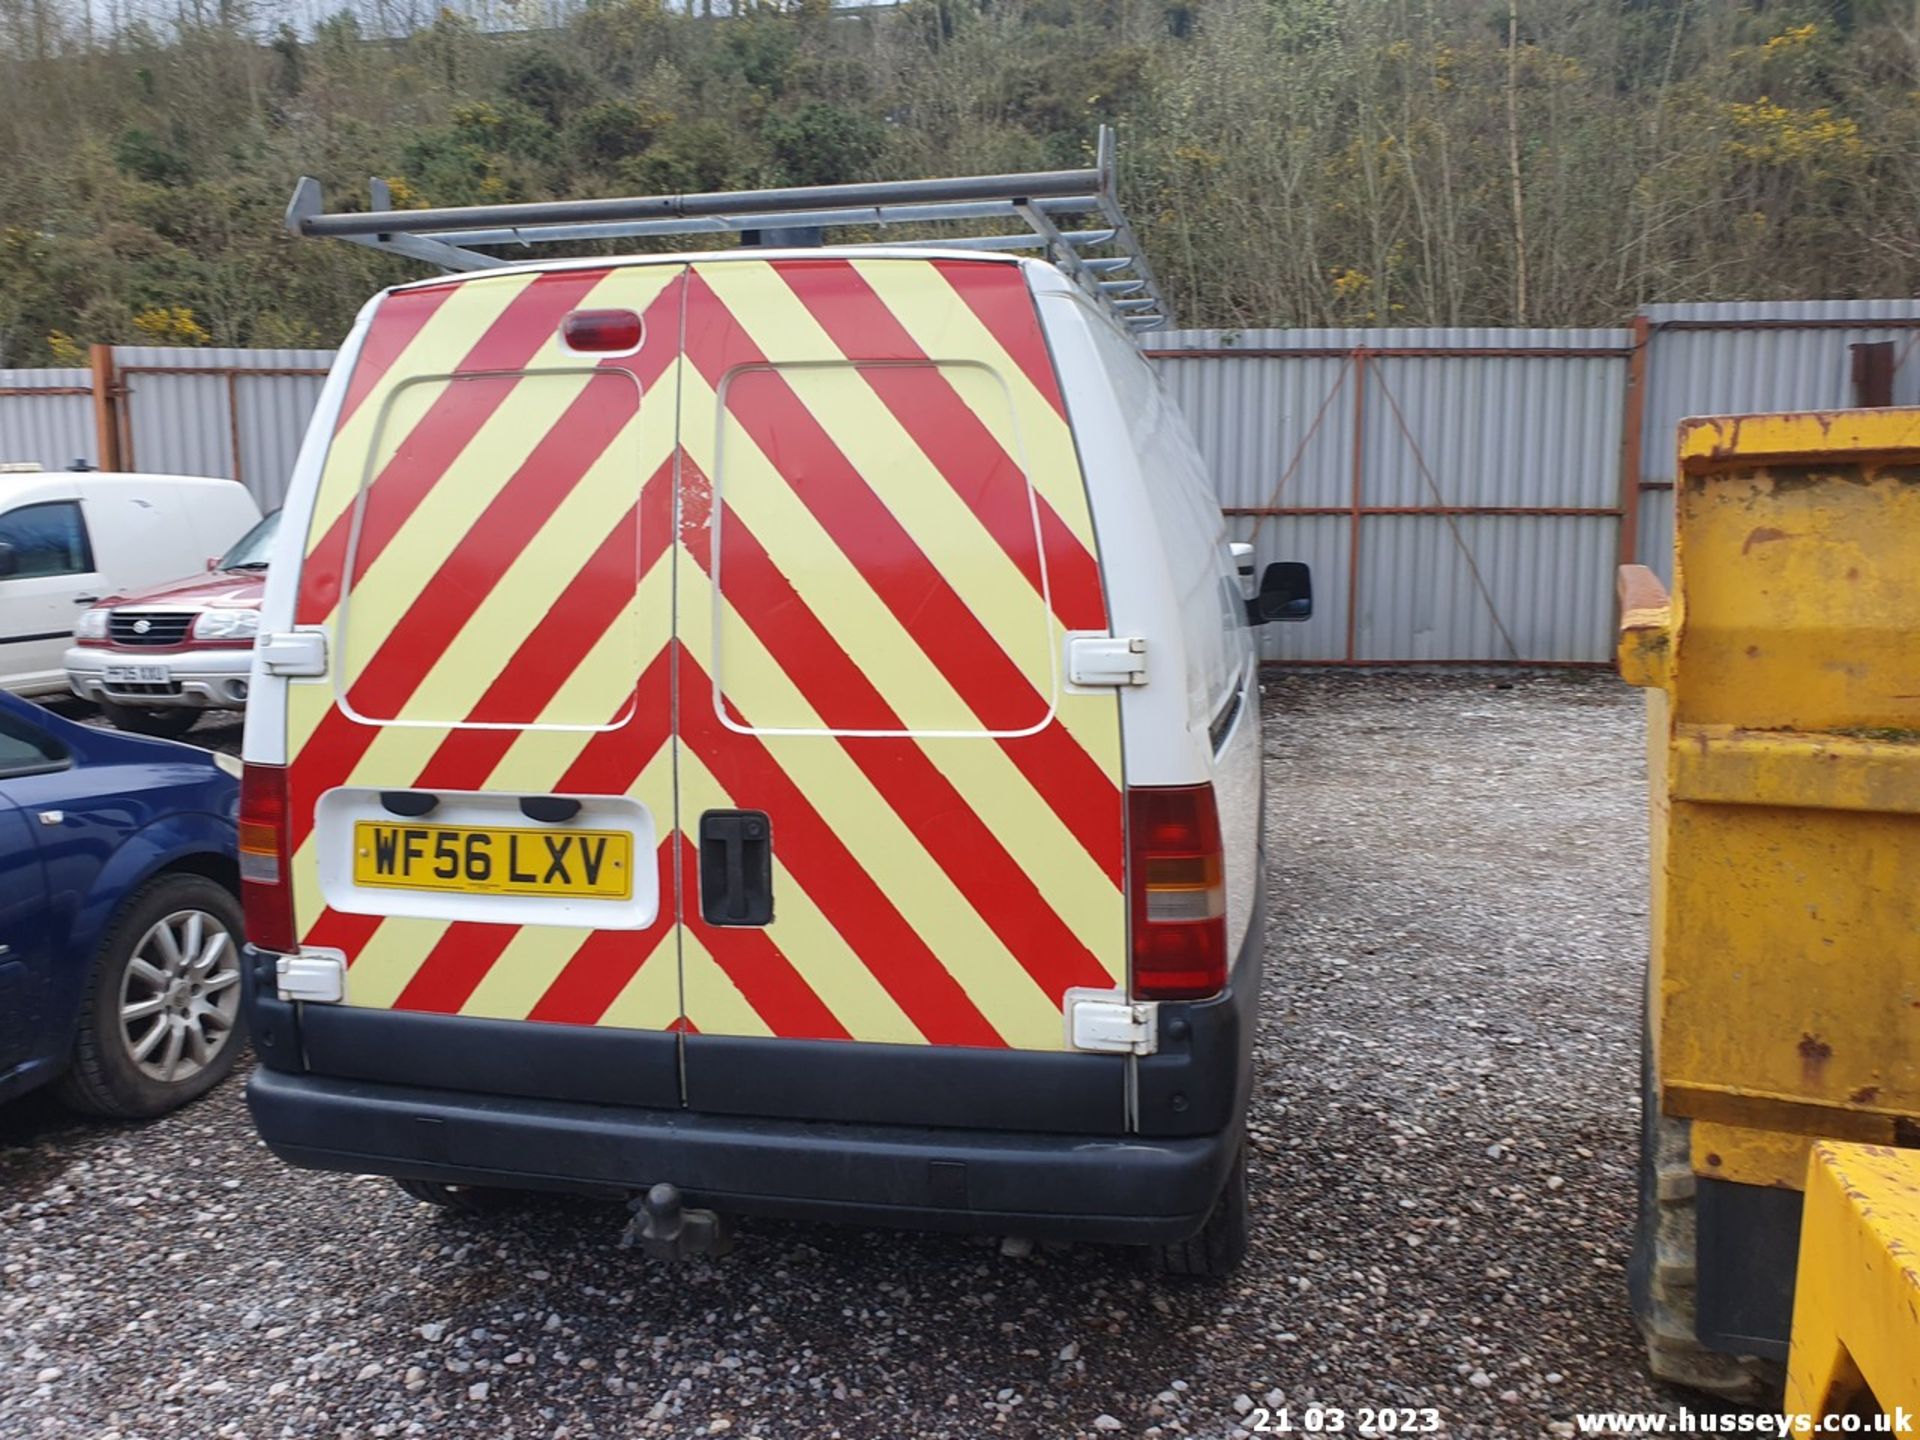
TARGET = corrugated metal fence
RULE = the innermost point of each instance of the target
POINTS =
(1463, 495)
(238, 413)
(1456, 491)
(1734, 359)
(46, 416)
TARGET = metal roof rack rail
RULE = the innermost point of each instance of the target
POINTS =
(1104, 258)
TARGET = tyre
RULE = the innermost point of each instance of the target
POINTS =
(458, 1199)
(1221, 1243)
(160, 1023)
(1662, 1275)
(167, 722)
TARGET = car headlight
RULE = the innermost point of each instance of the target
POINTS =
(226, 625)
(92, 625)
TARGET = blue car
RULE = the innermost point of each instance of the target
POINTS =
(119, 927)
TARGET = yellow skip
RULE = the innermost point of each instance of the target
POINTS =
(1856, 1309)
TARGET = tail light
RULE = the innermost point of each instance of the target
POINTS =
(266, 897)
(1178, 893)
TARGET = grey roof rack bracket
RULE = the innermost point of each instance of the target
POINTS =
(1106, 260)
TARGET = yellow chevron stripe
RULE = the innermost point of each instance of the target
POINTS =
(452, 331)
(536, 760)
(942, 325)
(906, 482)
(880, 842)
(713, 1003)
(522, 420)
(910, 683)
(539, 953)
(805, 936)
(390, 959)
(832, 586)
(601, 684)
(307, 900)
(879, 447)
(308, 702)
(520, 975)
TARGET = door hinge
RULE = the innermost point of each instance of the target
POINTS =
(1106, 660)
(317, 976)
(1107, 1022)
(293, 652)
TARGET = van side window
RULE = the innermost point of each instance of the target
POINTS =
(46, 539)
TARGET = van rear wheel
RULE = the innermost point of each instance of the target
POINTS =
(167, 722)
(458, 1199)
(1221, 1243)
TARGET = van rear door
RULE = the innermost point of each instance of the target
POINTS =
(481, 790)
(903, 835)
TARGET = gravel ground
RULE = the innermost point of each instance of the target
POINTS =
(1443, 1176)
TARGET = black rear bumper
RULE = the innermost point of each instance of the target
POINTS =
(1031, 1143)
(1130, 1190)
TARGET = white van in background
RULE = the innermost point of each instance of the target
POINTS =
(69, 539)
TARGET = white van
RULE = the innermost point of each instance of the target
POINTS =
(69, 539)
(770, 731)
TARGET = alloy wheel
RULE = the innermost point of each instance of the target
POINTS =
(180, 996)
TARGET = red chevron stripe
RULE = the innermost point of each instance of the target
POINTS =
(608, 764)
(422, 635)
(459, 960)
(558, 646)
(820, 862)
(765, 978)
(576, 439)
(451, 421)
(563, 456)
(998, 295)
(337, 930)
(911, 587)
(608, 960)
(951, 436)
(939, 816)
(612, 760)
(399, 319)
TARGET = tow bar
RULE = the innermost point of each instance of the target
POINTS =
(666, 1229)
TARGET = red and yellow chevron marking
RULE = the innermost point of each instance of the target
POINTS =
(853, 484)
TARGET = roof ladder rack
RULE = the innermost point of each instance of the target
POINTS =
(1102, 256)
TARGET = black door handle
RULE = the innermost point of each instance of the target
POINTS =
(736, 867)
(86, 600)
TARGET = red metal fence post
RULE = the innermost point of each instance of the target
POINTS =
(1630, 427)
(106, 407)
(1358, 506)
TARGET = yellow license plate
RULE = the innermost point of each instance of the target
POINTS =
(494, 860)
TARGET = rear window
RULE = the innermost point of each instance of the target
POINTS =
(497, 516)
(838, 527)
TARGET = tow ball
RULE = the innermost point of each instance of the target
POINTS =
(666, 1229)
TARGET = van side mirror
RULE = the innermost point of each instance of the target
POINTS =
(9, 560)
(1286, 593)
